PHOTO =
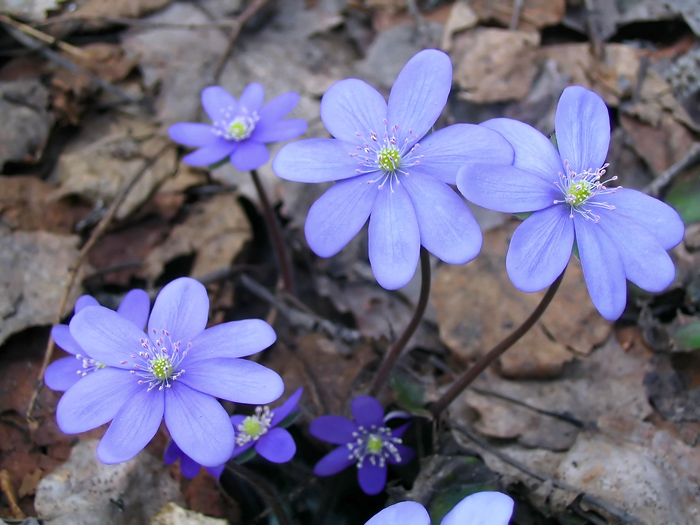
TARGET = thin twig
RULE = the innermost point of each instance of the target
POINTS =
(263, 488)
(515, 17)
(620, 514)
(497, 351)
(395, 351)
(663, 180)
(562, 417)
(275, 234)
(237, 25)
(99, 230)
(298, 318)
(43, 37)
(9, 492)
(138, 22)
(39, 46)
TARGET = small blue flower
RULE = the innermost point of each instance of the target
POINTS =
(175, 371)
(482, 508)
(392, 173)
(240, 127)
(65, 372)
(260, 430)
(620, 233)
(366, 442)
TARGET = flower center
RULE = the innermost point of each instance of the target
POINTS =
(89, 365)
(389, 158)
(160, 361)
(579, 188)
(254, 427)
(240, 128)
(375, 445)
(236, 124)
(579, 192)
(386, 155)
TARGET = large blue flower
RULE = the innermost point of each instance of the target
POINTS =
(482, 508)
(175, 371)
(620, 233)
(366, 442)
(240, 127)
(386, 174)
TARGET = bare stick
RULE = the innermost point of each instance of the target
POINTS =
(393, 354)
(73, 274)
(237, 25)
(276, 235)
(620, 514)
(497, 351)
(663, 180)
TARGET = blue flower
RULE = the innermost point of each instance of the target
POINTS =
(175, 371)
(65, 372)
(366, 442)
(260, 430)
(240, 127)
(620, 233)
(482, 508)
(390, 177)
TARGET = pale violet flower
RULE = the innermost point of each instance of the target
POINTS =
(240, 128)
(482, 508)
(391, 171)
(620, 233)
(175, 372)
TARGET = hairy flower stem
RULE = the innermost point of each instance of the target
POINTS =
(497, 351)
(276, 234)
(395, 350)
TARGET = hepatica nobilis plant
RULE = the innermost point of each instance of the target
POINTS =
(391, 171)
(620, 233)
(240, 128)
(175, 372)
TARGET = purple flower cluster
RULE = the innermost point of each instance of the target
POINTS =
(65, 372)
(175, 372)
(240, 127)
(620, 233)
(366, 442)
(482, 508)
(392, 173)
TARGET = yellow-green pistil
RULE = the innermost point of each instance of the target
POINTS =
(240, 128)
(374, 444)
(255, 426)
(162, 368)
(579, 192)
(389, 158)
(252, 426)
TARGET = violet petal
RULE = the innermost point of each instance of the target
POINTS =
(199, 425)
(133, 426)
(394, 237)
(540, 249)
(339, 214)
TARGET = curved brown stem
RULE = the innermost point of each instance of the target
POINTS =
(276, 234)
(497, 351)
(395, 350)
